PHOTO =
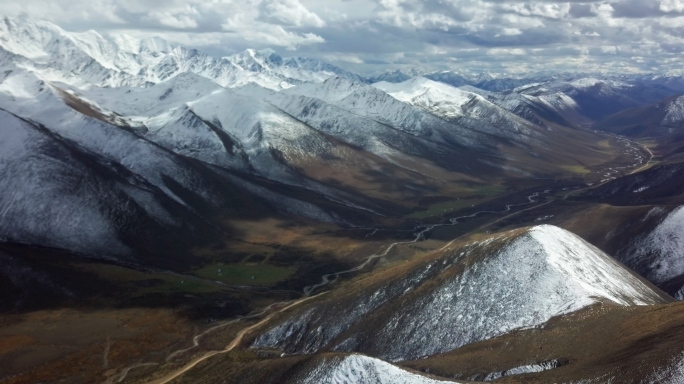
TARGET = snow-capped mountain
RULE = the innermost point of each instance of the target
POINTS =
(275, 135)
(368, 101)
(140, 172)
(523, 279)
(149, 106)
(459, 106)
(664, 118)
(557, 108)
(568, 99)
(599, 98)
(398, 75)
(90, 58)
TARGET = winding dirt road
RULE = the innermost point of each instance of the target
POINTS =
(326, 279)
(232, 345)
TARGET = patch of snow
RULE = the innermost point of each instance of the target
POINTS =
(358, 369)
(47, 197)
(671, 374)
(663, 248)
(586, 82)
(370, 102)
(530, 368)
(675, 112)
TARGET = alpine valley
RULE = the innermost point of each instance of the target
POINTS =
(169, 216)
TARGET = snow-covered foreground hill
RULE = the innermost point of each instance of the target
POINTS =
(463, 295)
(361, 369)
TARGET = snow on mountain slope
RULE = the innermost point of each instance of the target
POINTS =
(68, 217)
(454, 104)
(161, 114)
(368, 101)
(89, 58)
(366, 133)
(202, 120)
(675, 112)
(256, 125)
(28, 96)
(145, 192)
(588, 82)
(673, 373)
(57, 194)
(662, 249)
(553, 107)
(77, 58)
(462, 295)
(427, 93)
(153, 100)
(244, 68)
(361, 369)
(170, 111)
(599, 98)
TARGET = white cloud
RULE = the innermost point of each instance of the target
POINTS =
(552, 11)
(184, 18)
(289, 12)
(672, 6)
(506, 51)
(503, 34)
(353, 59)
(610, 49)
(58, 11)
(248, 25)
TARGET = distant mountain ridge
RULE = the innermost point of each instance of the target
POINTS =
(81, 58)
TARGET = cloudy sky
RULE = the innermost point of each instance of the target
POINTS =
(373, 35)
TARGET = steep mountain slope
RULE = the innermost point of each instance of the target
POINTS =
(660, 119)
(523, 279)
(597, 99)
(552, 108)
(646, 238)
(477, 138)
(371, 102)
(459, 106)
(537, 135)
(79, 222)
(195, 117)
(636, 218)
(567, 98)
(61, 195)
(396, 141)
(184, 198)
(658, 253)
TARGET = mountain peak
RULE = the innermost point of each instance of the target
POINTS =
(523, 279)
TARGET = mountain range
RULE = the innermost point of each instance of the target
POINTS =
(255, 218)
